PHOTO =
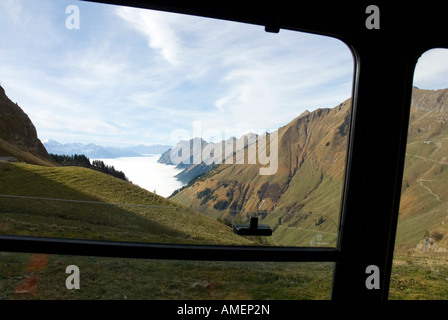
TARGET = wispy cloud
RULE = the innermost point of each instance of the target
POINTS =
(14, 9)
(247, 77)
(157, 28)
(133, 76)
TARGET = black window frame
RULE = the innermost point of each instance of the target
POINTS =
(384, 63)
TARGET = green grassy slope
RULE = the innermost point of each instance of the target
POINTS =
(98, 206)
(76, 202)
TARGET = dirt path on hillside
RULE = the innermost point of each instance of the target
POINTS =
(427, 159)
(421, 181)
(29, 282)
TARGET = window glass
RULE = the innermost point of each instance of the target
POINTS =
(138, 125)
(60, 277)
(420, 266)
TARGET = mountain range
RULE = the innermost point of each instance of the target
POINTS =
(92, 150)
(197, 156)
(42, 198)
(305, 191)
(423, 218)
(301, 201)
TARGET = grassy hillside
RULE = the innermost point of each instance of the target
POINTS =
(98, 206)
(301, 204)
(77, 202)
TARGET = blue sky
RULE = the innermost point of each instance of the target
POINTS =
(132, 76)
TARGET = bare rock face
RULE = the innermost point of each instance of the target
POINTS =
(16, 128)
(428, 100)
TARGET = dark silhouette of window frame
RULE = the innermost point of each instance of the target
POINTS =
(384, 63)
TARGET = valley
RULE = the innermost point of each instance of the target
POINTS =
(300, 202)
(75, 202)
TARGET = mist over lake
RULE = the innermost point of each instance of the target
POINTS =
(147, 173)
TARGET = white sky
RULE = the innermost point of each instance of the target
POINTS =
(431, 71)
(132, 76)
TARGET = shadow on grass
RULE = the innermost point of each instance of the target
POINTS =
(45, 207)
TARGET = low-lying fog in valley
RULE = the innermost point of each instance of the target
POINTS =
(147, 173)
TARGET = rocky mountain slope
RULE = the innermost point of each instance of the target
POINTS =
(301, 202)
(306, 186)
(424, 204)
(18, 136)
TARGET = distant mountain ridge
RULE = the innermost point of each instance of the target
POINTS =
(92, 150)
(428, 100)
(200, 155)
(312, 145)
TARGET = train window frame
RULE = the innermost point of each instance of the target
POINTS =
(365, 239)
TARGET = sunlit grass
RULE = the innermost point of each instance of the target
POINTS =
(419, 277)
